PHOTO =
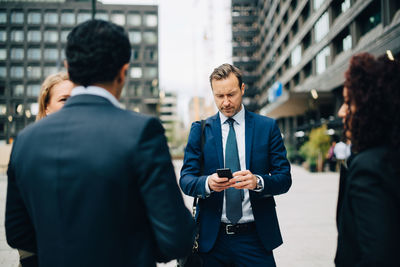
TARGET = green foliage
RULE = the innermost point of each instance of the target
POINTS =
(317, 146)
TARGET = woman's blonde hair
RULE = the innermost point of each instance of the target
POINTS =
(45, 91)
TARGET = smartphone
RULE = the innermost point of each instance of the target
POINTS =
(225, 173)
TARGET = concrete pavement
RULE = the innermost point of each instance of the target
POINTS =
(306, 215)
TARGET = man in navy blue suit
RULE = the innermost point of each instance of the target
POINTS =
(238, 222)
(93, 184)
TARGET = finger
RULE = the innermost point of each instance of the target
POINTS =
(240, 173)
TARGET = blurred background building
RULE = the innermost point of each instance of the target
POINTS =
(32, 42)
(294, 54)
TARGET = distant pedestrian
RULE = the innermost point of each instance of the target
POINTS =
(342, 152)
(93, 184)
(369, 194)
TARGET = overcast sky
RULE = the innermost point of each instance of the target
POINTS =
(194, 38)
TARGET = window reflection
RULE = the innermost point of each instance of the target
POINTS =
(50, 17)
(134, 19)
(150, 37)
(34, 18)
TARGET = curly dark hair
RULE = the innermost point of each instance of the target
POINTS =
(373, 87)
(96, 50)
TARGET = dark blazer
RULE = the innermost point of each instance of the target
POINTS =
(93, 185)
(265, 156)
(369, 210)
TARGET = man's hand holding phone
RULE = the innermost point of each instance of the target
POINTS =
(219, 181)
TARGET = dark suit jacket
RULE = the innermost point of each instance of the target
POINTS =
(93, 185)
(369, 210)
(265, 156)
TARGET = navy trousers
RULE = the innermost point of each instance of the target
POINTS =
(239, 250)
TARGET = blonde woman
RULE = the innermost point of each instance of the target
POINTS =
(55, 90)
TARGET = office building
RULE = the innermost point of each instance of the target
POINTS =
(295, 53)
(32, 42)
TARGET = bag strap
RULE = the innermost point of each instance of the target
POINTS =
(195, 199)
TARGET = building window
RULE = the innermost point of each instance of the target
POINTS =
(135, 37)
(17, 35)
(17, 17)
(295, 56)
(321, 27)
(18, 90)
(50, 17)
(50, 54)
(34, 53)
(150, 37)
(17, 53)
(64, 35)
(151, 54)
(135, 54)
(139, 90)
(3, 72)
(347, 43)
(68, 18)
(32, 90)
(34, 36)
(150, 72)
(318, 3)
(3, 16)
(17, 72)
(134, 19)
(47, 71)
(3, 36)
(34, 72)
(150, 20)
(3, 109)
(345, 5)
(3, 54)
(370, 17)
(82, 17)
(34, 17)
(118, 19)
(51, 36)
(102, 16)
(136, 72)
(322, 60)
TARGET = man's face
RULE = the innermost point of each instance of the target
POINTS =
(228, 95)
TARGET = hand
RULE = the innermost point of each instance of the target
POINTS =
(217, 183)
(244, 180)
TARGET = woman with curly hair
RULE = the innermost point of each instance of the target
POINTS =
(368, 215)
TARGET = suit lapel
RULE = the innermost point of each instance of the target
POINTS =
(217, 134)
(249, 131)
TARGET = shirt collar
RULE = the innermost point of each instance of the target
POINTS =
(95, 90)
(238, 117)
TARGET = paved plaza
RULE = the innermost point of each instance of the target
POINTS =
(306, 215)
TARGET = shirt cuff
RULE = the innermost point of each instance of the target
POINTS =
(208, 190)
(262, 184)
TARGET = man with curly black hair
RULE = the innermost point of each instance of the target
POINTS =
(93, 184)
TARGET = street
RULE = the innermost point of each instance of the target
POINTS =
(306, 216)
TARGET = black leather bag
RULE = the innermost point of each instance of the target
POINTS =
(194, 259)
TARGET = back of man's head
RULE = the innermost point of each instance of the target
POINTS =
(96, 50)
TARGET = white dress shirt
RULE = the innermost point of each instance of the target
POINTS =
(239, 127)
(95, 90)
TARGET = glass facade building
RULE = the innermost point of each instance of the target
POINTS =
(32, 46)
(289, 48)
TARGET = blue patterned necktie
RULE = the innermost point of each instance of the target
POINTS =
(233, 195)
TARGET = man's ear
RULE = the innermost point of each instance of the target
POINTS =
(242, 89)
(65, 64)
(122, 74)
